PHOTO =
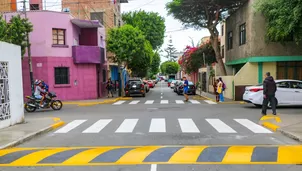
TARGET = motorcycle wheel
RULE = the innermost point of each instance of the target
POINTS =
(56, 105)
(29, 108)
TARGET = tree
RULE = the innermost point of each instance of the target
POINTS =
(204, 14)
(284, 19)
(126, 43)
(150, 23)
(171, 50)
(140, 64)
(15, 31)
(169, 67)
(155, 64)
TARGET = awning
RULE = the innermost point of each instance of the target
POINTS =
(86, 23)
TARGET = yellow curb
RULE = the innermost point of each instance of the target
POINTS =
(213, 100)
(57, 125)
(270, 126)
(268, 117)
(104, 102)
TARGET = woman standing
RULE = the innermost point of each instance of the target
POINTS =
(221, 88)
(216, 89)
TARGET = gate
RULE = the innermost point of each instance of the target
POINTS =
(204, 81)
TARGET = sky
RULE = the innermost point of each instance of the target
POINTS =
(180, 37)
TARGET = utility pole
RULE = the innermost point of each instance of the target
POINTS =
(31, 76)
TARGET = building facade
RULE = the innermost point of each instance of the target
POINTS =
(68, 54)
(108, 12)
(249, 54)
(8, 5)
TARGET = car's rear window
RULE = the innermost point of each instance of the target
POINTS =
(134, 82)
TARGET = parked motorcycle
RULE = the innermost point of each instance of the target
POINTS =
(49, 102)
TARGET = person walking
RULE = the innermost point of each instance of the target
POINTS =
(186, 88)
(109, 87)
(269, 91)
(215, 86)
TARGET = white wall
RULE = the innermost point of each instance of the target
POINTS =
(11, 54)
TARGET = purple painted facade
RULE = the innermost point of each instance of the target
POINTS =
(81, 55)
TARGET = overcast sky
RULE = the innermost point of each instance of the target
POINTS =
(180, 38)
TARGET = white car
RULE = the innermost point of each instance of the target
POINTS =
(173, 83)
(289, 92)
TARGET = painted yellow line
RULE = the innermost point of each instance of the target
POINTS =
(270, 126)
(187, 154)
(271, 117)
(133, 155)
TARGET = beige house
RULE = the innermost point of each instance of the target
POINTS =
(249, 56)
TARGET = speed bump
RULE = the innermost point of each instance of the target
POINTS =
(133, 155)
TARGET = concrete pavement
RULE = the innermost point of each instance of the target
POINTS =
(227, 132)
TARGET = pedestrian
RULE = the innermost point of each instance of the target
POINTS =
(109, 87)
(186, 88)
(269, 91)
(216, 90)
(221, 88)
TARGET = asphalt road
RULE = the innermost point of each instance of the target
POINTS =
(161, 121)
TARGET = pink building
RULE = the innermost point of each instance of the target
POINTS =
(68, 54)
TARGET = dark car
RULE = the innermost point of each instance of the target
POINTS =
(135, 87)
(180, 88)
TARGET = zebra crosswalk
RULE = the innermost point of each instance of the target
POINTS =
(161, 125)
(120, 102)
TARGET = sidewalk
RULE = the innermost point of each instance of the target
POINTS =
(32, 127)
(212, 97)
(288, 124)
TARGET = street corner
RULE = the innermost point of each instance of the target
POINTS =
(58, 123)
(271, 122)
(198, 97)
(139, 155)
(93, 103)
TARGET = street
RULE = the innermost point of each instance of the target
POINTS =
(156, 133)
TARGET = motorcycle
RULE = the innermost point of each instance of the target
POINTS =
(49, 102)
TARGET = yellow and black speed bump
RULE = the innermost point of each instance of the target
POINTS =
(133, 155)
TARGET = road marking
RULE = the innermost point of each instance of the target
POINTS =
(70, 126)
(179, 102)
(161, 97)
(134, 102)
(151, 155)
(220, 126)
(127, 126)
(194, 101)
(98, 126)
(153, 167)
(210, 102)
(164, 102)
(158, 125)
(149, 102)
(188, 126)
(252, 126)
(119, 102)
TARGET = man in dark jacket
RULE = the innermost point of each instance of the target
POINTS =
(269, 90)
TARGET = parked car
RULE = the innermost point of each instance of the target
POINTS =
(192, 88)
(135, 87)
(172, 85)
(176, 85)
(289, 93)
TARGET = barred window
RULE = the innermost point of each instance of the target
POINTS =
(61, 75)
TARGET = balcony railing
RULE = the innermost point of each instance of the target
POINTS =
(88, 54)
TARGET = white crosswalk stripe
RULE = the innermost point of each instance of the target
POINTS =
(252, 126)
(188, 126)
(134, 102)
(127, 126)
(179, 101)
(159, 125)
(98, 126)
(70, 126)
(220, 126)
(194, 101)
(149, 102)
(119, 102)
(210, 102)
(164, 102)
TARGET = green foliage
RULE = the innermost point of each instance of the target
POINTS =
(200, 14)
(126, 43)
(155, 64)
(169, 67)
(171, 50)
(284, 19)
(140, 64)
(150, 23)
(15, 31)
